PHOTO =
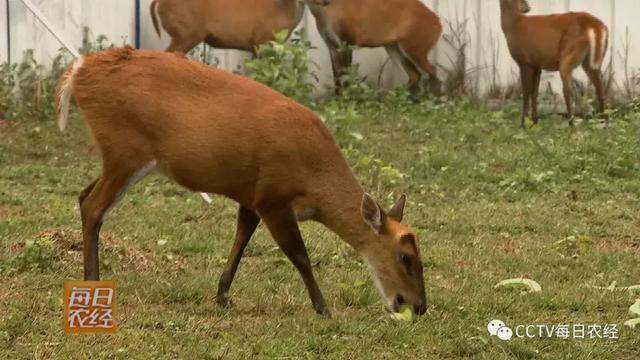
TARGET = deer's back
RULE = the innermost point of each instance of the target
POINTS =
(226, 24)
(208, 129)
(540, 40)
(376, 23)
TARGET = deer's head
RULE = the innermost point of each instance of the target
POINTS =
(391, 250)
(515, 6)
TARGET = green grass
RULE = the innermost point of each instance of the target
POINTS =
(490, 201)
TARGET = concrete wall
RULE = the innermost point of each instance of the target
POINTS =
(486, 51)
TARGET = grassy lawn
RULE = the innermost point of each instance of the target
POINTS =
(489, 200)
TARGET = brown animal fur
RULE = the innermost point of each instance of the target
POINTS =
(407, 29)
(558, 42)
(225, 24)
(216, 132)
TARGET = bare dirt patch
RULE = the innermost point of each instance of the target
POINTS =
(66, 246)
(627, 243)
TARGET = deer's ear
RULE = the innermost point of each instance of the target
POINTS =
(371, 213)
(397, 211)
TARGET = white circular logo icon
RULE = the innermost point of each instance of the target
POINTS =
(505, 333)
(500, 329)
(494, 326)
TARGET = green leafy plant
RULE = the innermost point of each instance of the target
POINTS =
(354, 87)
(36, 85)
(375, 172)
(28, 88)
(355, 90)
(91, 44)
(7, 89)
(285, 65)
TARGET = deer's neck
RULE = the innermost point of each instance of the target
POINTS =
(339, 200)
(508, 18)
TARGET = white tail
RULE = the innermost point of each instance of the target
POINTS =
(597, 47)
(593, 46)
(65, 91)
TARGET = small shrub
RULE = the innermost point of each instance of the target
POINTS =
(36, 85)
(285, 66)
(28, 89)
(354, 88)
(89, 44)
(7, 89)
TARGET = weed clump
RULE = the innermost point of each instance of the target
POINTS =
(284, 65)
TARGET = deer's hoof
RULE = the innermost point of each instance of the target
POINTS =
(323, 310)
(223, 301)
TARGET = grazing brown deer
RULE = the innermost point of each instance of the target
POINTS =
(216, 132)
(558, 42)
(226, 24)
(407, 29)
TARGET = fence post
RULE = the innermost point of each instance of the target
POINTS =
(8, 32)
(137, 24)
(613, 44)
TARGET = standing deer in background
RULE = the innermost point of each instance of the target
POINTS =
(558, 42)
(216, 132)
(226, 24)
(407, 29)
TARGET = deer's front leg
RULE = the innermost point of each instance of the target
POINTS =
(283, 225)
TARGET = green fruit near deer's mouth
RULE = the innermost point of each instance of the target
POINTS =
(405, 314)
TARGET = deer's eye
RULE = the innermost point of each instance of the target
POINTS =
(407, 262)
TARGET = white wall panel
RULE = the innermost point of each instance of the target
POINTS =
(115, 18)
(3, 31)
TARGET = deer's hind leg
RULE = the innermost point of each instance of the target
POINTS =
(409, 67)
(335, 68)
(595, 75)
(184, 43)
(340, 54)
(570, 59)
(98, 198)
(248, 220)
(417, 53)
